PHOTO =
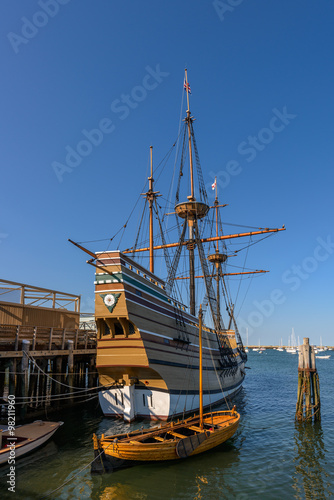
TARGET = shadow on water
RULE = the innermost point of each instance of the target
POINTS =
(310, 479)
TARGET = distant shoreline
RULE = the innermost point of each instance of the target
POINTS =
(281, 346)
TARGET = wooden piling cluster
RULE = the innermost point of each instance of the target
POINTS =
(45, 368)
(308, 395)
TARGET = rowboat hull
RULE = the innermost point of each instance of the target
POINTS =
(171, 441)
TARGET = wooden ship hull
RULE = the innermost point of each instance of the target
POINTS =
(148, 349)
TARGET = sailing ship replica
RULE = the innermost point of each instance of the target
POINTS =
(148, 338)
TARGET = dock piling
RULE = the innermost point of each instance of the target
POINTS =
(24, 376)
(70, 365)
(308, 394)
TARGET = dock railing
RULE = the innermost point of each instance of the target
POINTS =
(42, 338)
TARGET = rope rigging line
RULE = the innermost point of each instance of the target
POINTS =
(139, 229)
(75, 475)
(190, 361)
(182, 162)
(167, 155)
(243, 268)
(176, 152)
(143, 243)
(162, 162)
(253, 243)
(139, 197)
(202, 190)
(174, 265)
(248, 227)
(38, 400)
(216, 372)
(165, 250)
(242, 303)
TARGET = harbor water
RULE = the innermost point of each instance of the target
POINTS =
(270, 457)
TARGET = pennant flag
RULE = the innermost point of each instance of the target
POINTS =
(187, 87)
(214, 184)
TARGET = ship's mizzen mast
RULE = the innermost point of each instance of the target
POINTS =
(217, 259)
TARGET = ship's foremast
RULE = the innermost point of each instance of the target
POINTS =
(151, 195)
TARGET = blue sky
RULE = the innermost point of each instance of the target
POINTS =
(261, 75)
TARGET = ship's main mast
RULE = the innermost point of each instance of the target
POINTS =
(191, 210)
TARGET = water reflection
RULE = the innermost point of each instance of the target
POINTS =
(207, 474)
(310, 477)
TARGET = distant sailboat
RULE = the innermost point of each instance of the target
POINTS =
(320, 349)
(280, 348)
(257, 348)
(292, 349)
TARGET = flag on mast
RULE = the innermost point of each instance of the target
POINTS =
(214, 184)
(187, 87)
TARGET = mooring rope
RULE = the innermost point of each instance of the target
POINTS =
(75, 475)
(53, 397)
(61, 383)
(79, 392)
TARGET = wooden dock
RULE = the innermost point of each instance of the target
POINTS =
(45, 366)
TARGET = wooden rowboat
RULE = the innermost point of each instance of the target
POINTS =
(168, 441)
(24, 439)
